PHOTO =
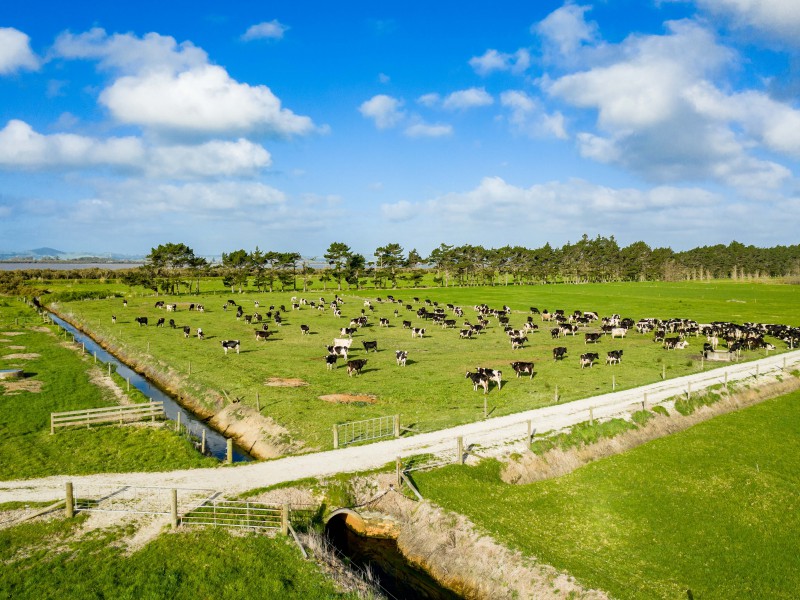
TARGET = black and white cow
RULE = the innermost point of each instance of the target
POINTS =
(401, 356)
(555, 333)
(522, 368)
(417, 332)
(172, 307)
(330, 361)
(125, 304)
(383, 322)
(587, 359)
(113, 318)
(559, 353)
(348, 331)
(160, 304)
(200, 334)
(373, 345)
(492, 374)
(465, 334)
(478, 379)
(160, 322)
(591, 338)
(355, 366)
(141, 321)
(187, 331)
(406, 324)
(614, 357)
(262, 334)
(305, 329)
(230, 345)
(518, 342)
(338, 351)
(172, 323)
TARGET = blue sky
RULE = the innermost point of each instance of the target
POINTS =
(291, 125)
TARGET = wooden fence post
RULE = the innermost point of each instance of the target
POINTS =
(784, 363)
(95, 357)
(613, 382)
(397, 426)
(69, 506)
(178, 423)
(109, 369)
(663, 372)
(258, 402)
(229, 457)
(756, 369)
(174, 509)
(335, 437)
(485, 408)
(83, 345)
(148, 346)
(555, 396)
(190, 367)
(285, 519)
(460, 449)
(702, 362)
(203, 443)
(530, 435)
(591, 415)
(128, 379)
(644, 401)
(398, 468)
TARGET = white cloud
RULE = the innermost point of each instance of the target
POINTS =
(469, 98)
(493, 60)
(773, 17)
(527, 116)
(272, 30)
(171, 88)
(384, 78)
(566, 28)
(15, 52)
(417, 130)
(383, 110)
(21, 146)
(399, 211)
(429, 100)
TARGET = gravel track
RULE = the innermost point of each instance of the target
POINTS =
(492, 435)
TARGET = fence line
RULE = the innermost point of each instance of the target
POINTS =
(108, 414)
(368, 429)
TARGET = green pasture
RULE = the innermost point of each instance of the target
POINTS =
(26, 446)
(714, 509)
(44, 560)
(431, 392)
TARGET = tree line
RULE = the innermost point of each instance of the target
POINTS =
(172, 267)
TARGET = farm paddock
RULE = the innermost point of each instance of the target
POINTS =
(430, 392)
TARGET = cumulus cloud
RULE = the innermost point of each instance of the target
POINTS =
(21, 146)
(566, 29)
(171, 88)
(493, 60)
(15, 52)
(465, 99)
(527, 116)
(384, 110)
(430, 100)
(272, 30)
(771, 17)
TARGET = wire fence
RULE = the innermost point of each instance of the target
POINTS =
(366, 430)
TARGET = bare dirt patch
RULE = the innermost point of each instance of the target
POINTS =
(21, 356)
(100, 379)
(259, 435)
(349, 398)
(282, 382)
(41, 329)
(3, 340)
(11, 388)
(16, 347)
(12, 333)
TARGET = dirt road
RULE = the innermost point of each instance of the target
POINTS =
(490, 434)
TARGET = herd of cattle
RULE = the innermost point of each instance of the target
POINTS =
(672, 334)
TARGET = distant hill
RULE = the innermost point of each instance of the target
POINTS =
(45, 252)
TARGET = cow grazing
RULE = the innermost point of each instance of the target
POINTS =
(113, 318)
(355, 366)
(160, 304)
(172, 307)
(614, 357)
(591, 338)
(671, 343)
(330, 361)
(587, 360)
(262, 334)
(383, 322)
(478, 379)
(559, 353)
(465, 334)
(555, 333)
(417, 332)
(338, 351)
(305, 329)
(522, 368)
(248, 319)
(518, 342)
(141, 321)
(348, 331)
(492, 374)
(200, 308)
(160, 322)
(187, 331)
(370, 346)
(200, 334)
(618, 332)
(401, 356)
(125, 304)
(230, 345)
(406, 324)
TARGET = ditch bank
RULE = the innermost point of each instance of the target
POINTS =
(259, 436)
(453, 558)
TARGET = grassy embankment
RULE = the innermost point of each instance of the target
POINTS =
(58, 379)
(45, 560)
(431, 392)
(713, 509)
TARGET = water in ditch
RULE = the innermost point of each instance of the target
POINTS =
(399, 579)
(216, 443)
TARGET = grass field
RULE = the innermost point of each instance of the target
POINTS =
(714, 510)
(45, 560)
(58, 379)
(431, 392)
